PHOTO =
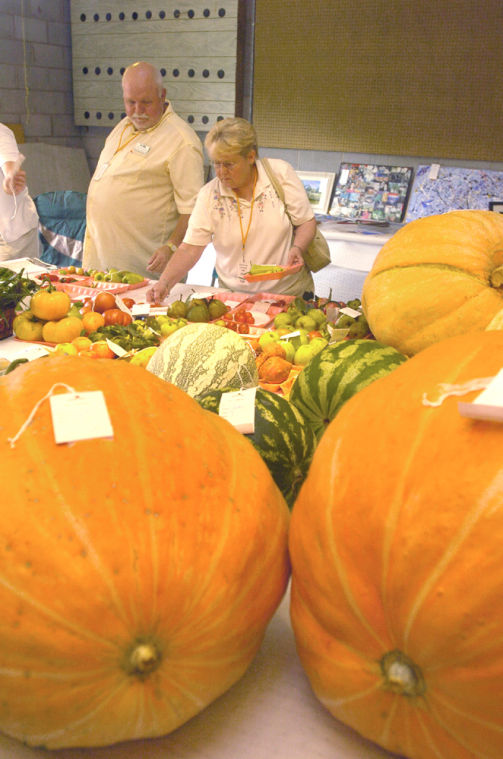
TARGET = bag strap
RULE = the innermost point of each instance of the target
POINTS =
(276, 184)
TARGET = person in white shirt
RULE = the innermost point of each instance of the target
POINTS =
(240, 212)
(18, 214)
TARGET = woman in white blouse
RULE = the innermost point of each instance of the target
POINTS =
(18, 215)
(241, 214)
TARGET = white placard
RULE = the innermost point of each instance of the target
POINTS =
(352, 312)
(115, 348)
(140, 309)
(239, 409)
(80, 416)
(488, 406)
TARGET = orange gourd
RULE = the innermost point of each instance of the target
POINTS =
(397, 560)
(138, 573)
(436, 277)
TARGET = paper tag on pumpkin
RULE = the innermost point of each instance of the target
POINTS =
(80, 416)
(239, 409)
(487, 406)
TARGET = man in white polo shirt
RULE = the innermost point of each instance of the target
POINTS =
(18, 215)
(146, 181)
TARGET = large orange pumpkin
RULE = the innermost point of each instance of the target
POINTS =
(397, 560)
(138, 573)
(436, 277)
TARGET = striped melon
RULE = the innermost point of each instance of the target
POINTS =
(283, 438)
(203, 357)
(337, 373)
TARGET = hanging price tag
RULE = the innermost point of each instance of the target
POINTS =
(239, 409)
(80, 416)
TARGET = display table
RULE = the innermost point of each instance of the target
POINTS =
(271, 713)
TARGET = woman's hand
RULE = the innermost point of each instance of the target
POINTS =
(159, 259)
(14, 182)
(295, 256)
(157, 292)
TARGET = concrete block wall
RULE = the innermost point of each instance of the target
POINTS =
(36, 70)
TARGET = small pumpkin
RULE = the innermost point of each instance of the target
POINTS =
(397, 560)
(138, 572)
(438, 276)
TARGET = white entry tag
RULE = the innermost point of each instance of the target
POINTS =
(80, 416)
(116, 348)
(141, 148)
(239, 409)
(100, 171)
(141, 309)
(352, 312)
(488, 405)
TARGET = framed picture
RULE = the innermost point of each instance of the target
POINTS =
(318, 185)
(371, 192)
(496, 205)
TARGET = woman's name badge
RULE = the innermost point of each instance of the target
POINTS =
(100, 171)
(141, 148)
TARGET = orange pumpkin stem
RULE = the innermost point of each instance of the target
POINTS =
(497, 276)
(401, 675)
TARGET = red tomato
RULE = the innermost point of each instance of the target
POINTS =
(239, 316)
(116, 316)
(128, 302)
(228, 317)
(243, 329)
(249, 318)
(103, 302)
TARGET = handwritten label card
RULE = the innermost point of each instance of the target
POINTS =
(80, 416)
(239, 409)
(487, 406)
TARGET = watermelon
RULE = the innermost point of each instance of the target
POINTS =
(202, 357)
(282, 437)
(337, 373)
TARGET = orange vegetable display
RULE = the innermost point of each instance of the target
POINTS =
(138, 572)
(436, 277)
(397, 559)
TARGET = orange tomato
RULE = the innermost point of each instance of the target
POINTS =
(104, 301)
(100, 349)
(91, 321)
(116, 316)
(50, 305)
(128, 302)
(82, 343)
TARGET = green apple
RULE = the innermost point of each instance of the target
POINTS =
(271, 336)
(289, 350)
(304, 354)
(167, 328)
(306, 322)
(318, 315)
(302, 338)
(284, 319)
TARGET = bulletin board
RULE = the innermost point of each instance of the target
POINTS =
(385, 77)
(192, 42)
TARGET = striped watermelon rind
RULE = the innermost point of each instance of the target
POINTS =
(201, 357)
(335, 374)
(282, 437)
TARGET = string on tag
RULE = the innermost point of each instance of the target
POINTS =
(12, 440)
(445, 390)
(243, 386)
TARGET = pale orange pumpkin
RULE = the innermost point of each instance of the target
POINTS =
(138, 573)
(397, 560)
(436, 277)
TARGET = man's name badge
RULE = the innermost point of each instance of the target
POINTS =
(141, 148)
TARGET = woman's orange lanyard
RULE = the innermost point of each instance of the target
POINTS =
(244, 237)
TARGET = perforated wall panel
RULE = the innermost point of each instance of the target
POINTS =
(192, 42)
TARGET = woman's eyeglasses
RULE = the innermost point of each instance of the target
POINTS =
(228, 165)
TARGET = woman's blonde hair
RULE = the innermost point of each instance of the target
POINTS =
(232, 136)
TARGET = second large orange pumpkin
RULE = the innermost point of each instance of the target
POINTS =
(137, 573)
(436, 277)
(397, 559)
